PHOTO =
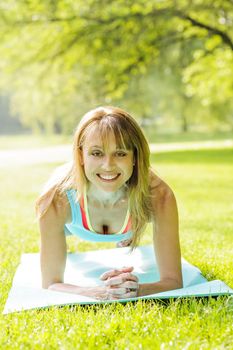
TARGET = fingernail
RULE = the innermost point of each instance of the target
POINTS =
(103, 277)
(113, 281)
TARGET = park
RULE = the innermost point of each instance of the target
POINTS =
(169, 63)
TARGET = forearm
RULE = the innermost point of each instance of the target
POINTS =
(158, 287)
(144, 289)
(70, 288)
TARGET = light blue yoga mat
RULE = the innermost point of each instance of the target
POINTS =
(84, 269)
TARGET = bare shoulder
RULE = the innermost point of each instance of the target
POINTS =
(57, 214)
(161, 193)
(61, 204)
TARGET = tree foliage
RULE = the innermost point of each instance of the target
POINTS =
(61, 58)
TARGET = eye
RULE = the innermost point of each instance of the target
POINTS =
(121, 154)
(96, 153)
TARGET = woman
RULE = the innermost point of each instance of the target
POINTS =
(109, 193)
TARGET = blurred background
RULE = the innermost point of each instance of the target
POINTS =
(168, 63)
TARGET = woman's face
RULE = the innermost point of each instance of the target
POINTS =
(106, 166)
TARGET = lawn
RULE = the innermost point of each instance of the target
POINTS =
(9, 142)
(202, 182)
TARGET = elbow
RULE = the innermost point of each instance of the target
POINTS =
(178, 284)
(50, 285)
(45, 285)
(174, 283)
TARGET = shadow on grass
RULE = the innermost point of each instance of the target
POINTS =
(194, 156)
(170, 303)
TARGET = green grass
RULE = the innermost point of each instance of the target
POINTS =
(33, 141)
(154, 135)
(202, 181)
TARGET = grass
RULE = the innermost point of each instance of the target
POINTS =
(202, 181)
(9, 142)
(154, 135)
(33, 141)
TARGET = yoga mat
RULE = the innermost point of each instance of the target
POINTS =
(84, 269)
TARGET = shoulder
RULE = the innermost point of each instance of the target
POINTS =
(60, 203)
(161, 193)
(58, 212)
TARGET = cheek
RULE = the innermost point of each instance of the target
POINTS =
(129, 166)
(90, 163)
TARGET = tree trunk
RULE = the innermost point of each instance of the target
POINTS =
(184, 125)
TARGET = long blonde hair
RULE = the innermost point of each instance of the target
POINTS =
(128, 135)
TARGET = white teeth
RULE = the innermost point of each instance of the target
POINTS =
(108, 177)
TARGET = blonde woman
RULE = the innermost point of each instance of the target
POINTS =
(109, 193)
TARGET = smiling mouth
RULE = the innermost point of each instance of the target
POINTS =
(108, 177)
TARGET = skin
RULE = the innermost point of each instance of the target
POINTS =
(110, 195)
(100, 160)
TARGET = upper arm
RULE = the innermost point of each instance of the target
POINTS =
(166, 233)
(53, 244)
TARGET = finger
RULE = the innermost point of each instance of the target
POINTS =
(117, 291)
(104, 296)
(123, 296)
(121, 279)
(112, 273)
(125, 269)
(109, 274)
(131, 294)
(129, 285)
(114, 281)
(127, 276)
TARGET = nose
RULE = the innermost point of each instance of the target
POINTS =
(108, 163)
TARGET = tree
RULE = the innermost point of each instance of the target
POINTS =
(61, 49)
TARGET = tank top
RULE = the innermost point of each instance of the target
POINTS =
(80, 224)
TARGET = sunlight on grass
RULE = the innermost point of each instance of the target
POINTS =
(32, 141)
(202, 182)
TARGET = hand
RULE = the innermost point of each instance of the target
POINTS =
(99, 292)
(121, 283)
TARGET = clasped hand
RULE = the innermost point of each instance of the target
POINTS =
(119, 284)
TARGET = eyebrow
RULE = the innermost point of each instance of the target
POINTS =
(118, 149)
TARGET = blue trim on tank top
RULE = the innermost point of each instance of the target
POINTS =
(76, 228)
